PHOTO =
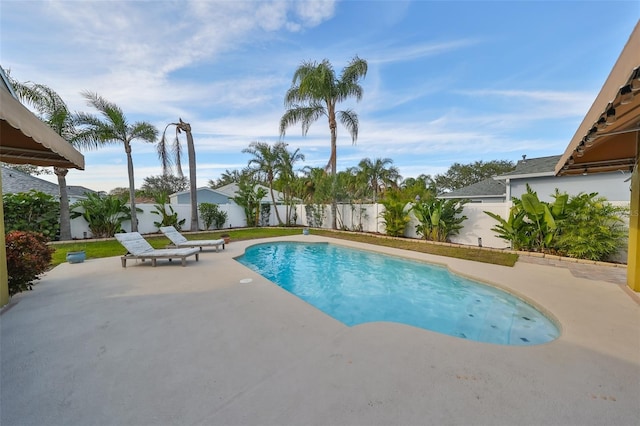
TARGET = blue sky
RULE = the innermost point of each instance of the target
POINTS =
(448, 81)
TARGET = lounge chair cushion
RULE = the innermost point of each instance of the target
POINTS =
(179, 240)
(139, 248)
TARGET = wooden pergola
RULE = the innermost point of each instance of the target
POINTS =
(608, 139)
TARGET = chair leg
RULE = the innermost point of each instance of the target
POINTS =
(184, 261)
(153, 262)
(124, 262)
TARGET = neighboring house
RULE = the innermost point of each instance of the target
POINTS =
(232, 189)
(222, 195)
(486, 191)
(539, 174)
(204, 195)
(14, 181)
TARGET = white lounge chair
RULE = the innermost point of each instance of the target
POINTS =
(139, 248)
(178, 240)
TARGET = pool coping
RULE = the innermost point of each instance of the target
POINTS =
(95, 343)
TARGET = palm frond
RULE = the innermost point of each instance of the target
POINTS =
(349, 120)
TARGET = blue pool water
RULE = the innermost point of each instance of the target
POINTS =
(356, 287)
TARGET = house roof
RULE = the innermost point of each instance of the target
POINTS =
(202, 188)
(532, 167)
(485, 188)
(14, 181)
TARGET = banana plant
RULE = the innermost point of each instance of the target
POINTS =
(513, 229)
(439, 219)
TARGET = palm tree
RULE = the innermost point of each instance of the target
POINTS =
(114, 128)
(53, 110)
(315, 92)
(163, 154)
(379, 174)
(227, 177)
(288, 176)
(266, 161)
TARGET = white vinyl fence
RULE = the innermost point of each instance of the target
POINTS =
(356, 217)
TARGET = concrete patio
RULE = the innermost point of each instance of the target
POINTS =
(97, 344)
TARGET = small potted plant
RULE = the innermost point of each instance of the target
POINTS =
(226, 238)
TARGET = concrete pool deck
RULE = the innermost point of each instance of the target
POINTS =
(96, 344)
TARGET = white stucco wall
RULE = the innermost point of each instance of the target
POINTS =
(609, 185)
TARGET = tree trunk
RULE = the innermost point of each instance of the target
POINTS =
(334, 176)
(132, 188)
(193, 190)
(65, 221)
(274, 203)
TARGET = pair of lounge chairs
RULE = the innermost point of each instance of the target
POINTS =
(139, 248)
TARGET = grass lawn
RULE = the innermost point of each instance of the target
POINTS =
(108, 248)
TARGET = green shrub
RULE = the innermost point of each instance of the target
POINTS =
(439, 219)
(167, 218)
(104, 214)
(584, 226)
(32, 211)
(593, 228)
(28, 256)
(212, 215)
(395, 215)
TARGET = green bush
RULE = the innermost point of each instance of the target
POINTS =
(212, 215)
(167, 218)
(28, 256)
(395, 215)
(32, 211)
(593, 228)
(104, 214)
(584, 226)
(439, 219)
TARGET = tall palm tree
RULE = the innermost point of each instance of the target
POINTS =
(379, 174)
(315, 92)
(114, 128)
(53, 110)
(267, 162)
(165, 158)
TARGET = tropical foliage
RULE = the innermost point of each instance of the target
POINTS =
(28, 256)
(249, 197)
(31, 211)
(52, 109)
(167, 218)
(439, 219)
(227, 177)
(592, 228)
(113, 127)
(103, 213)
(176, 149)
(212, 215)
(164, 184)
(396, 213)
(315, 92)
(584, 226)
(378, 175)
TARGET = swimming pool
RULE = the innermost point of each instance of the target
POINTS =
(356, 286)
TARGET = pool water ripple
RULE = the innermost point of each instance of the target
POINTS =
(356, 286)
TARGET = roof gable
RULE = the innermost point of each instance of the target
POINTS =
(541, 166)
(15, 181)
(485, 188)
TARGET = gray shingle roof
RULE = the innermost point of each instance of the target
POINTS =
(534, 165)
(14, 181)
(488, 187)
